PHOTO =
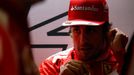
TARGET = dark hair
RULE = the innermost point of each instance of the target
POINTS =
(106, 27)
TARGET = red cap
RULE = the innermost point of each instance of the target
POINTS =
(87, 12)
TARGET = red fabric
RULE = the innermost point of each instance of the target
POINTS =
(51, 66)
(120, 58)
(8, 62)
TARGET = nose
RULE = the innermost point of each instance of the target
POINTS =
(84, 37)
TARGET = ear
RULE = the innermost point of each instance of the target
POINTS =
(71, 34)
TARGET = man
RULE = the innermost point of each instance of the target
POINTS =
(92, 53)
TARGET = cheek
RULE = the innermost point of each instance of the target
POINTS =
(97, 40)
(76, 42)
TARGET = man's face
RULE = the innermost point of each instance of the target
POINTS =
(88, 41)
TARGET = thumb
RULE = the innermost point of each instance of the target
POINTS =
(111, 34)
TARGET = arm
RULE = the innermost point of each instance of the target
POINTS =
(118, 44)
(48, 68)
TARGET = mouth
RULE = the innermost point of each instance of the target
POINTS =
(86, 48)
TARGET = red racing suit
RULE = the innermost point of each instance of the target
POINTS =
(104, 65)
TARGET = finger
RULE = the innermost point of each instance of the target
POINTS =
(81, 66)
(124, 40)
(75, 62)
(112, 34)
(65, 71)
(74, 69)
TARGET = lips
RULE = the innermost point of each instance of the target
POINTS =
(86, 48)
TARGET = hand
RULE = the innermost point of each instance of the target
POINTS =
(74, 67)
(118, 39)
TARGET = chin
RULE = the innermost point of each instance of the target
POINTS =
(86, 55)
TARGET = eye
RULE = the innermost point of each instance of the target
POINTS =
(76, 29)
(91, 29)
